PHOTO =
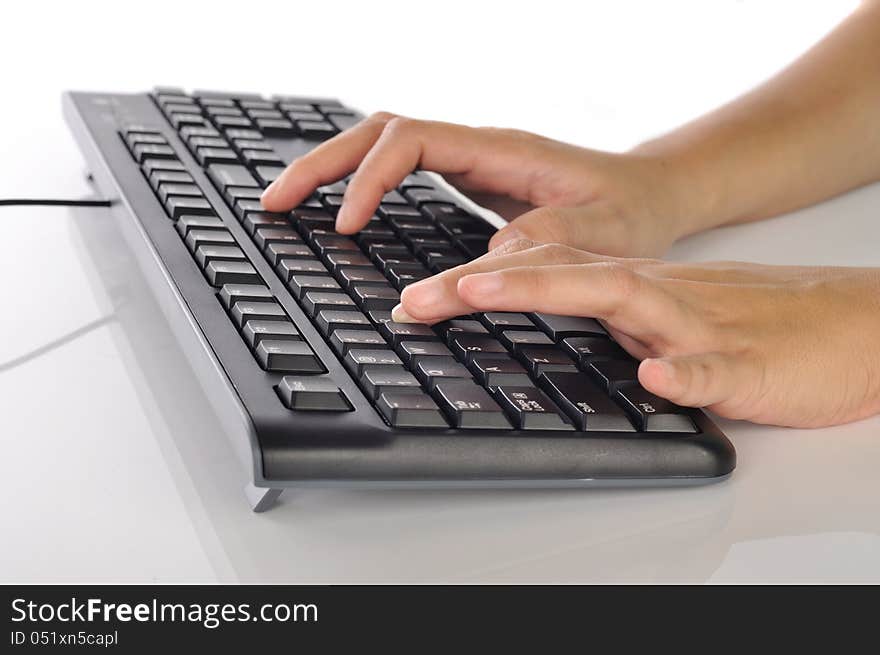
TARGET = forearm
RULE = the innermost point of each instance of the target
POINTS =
(809, 133)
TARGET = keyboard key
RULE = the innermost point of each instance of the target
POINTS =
(516, 339)
(469, 406)
(174, 177)
(275, 252)
(432, 370)
(349, 276)
(234, 122)
(340, 258)
(410, 410)
(498, 321)
(402, 275)
(276, 126)
(168, 189)
(331, 243)
(210, 253)
(315, 129)
(587, 405)
(144, 151)
(376, 380)
(197, 238)
(224, 111)
(251, 144)
(530, 409)
(615, 374)
(232, 293)
(652, 413)
(177, 206)
(257, 157)
(330, 320)
(287, 356)
(466, 346)
(235, 193)
(226, 175)
(287, 268)
(344, 340)
(264, 113)
(258, 220)
(587, 350)
(312, 394)
(220, 273)
(302, 284)
(395, 333)
(248, 310)
(450, 329)
(268, 235)
(316, 301)
(236, 133)
(497, 370)
(208, 142)
(474, 246)
(379, 316)
(154, 138)
(256, 331)
(558, 327)
(370, 297)
(268, 174)
(191, 222)
(194, 131)
(541, 359)
(245, 206)
(412, 351)
(357, 359)
(152, 165)
(215, 156)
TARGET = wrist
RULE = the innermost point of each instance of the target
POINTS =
(685, 198)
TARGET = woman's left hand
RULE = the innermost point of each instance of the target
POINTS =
(795, 346)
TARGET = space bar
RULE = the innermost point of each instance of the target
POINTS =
(226, 175)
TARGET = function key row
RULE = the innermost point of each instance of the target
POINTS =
(272, 118)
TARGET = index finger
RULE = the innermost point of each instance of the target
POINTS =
(327, 163)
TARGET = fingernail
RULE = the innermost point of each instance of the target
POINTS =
(483, 284)
(399, 315)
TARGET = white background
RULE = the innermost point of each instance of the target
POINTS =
(600, 73)
(106, 479)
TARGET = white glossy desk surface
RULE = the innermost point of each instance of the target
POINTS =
(113, 467)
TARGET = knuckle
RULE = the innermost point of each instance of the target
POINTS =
(625, 282)
(514, 245)
(381, 117)
(557, 253)
(399, 125)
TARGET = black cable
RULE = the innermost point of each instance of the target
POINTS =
(54, 202)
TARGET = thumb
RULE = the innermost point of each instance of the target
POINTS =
(696, 380)
(544, 225)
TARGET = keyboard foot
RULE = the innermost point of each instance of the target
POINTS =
(261, 498)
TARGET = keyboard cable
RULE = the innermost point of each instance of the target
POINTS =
(54, 202)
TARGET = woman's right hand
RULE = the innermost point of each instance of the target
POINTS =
(622, 205)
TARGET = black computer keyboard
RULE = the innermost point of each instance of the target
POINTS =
(288, 322)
